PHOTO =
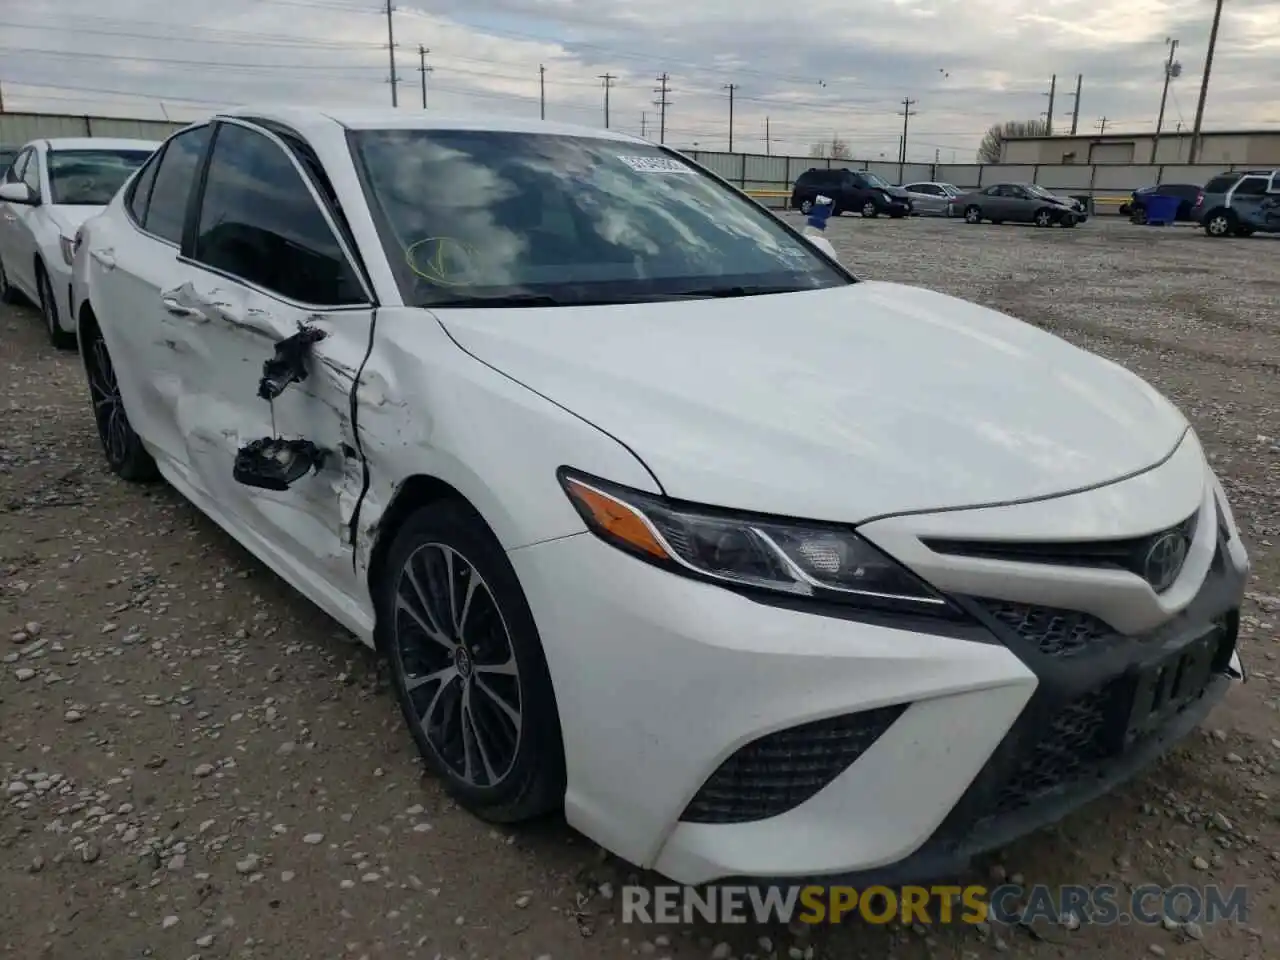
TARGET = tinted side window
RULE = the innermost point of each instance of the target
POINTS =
(259, 222)
(1251, 187)
(171, 189)
(140, 192)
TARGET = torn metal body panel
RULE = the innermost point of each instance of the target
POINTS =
(423, 401)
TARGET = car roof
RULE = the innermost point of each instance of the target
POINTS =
(309, 120)
(95, 143)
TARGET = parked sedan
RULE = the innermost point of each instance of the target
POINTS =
(51, 188)
(932, 198)
(1020, 203)
(449, 379)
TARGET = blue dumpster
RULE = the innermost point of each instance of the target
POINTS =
(1161, 210)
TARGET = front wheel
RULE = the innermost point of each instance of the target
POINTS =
(869, 210)
(126, 456)
(972, 214)
(806, 206)
(1043, 218)
(468, 667)
(49, 311)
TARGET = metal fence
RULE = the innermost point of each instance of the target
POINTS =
(765, 174)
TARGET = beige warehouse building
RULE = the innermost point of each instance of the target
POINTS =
(1260, 148)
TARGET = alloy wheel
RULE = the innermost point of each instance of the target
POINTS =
(869, 209)
(1219, 226)
(805, 206)
(972, 215)
(1043, 218)
(460, 673)
(108, 406)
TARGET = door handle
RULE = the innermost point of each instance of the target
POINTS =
(180, 309)
(105, 257)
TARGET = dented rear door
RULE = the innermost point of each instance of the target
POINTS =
(277, 321)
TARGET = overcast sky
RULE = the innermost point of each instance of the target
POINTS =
(816, 69)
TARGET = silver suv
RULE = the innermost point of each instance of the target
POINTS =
(1239, 203)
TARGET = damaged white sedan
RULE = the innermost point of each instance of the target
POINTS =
(659, 514)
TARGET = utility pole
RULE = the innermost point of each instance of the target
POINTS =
(662, 103)
(391, 51)
(1102, 126)
(1048, 117)
(1204, 83)
(542, 91)
(731, 87)
(1075, 109)
(644, 123)
(424, 70)
(907, 114)
(608, 79)
(768, 140)
(1169, 73)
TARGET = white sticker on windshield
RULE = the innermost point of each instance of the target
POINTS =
(655, 165)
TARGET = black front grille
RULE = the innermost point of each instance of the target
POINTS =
(1053, 632)
(1131, 554)
(782, 770)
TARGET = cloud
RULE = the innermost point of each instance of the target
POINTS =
(826, 68)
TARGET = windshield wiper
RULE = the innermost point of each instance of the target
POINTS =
(507, 300)
(545, 300)
(739, 291)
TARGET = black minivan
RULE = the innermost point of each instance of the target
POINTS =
(850, 190)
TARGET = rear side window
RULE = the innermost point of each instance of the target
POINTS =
(167, 209)
(1252, 187)
(1220, 184)
(260, 223)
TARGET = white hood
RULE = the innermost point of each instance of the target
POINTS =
(69, 217)
(841, 404)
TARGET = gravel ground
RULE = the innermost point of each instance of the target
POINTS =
(194, 762)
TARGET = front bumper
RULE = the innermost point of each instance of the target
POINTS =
(708, 735)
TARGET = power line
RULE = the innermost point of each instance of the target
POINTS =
(391, 52)
(662, 103)
(907, 114)
(608, 79)
(423, 69)
(223, 37)
(731, 87)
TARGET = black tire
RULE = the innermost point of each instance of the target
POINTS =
(8, 294)
(1138, 216)
(869, 210)
(531, 781)
(1220, 223)
(49, 311)
(972, 214)
(126, 456)
(805, 206)
(1043, 217)
(1069, 221)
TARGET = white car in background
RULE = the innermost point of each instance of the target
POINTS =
(933, 198)
(660, 515)
(52, 187)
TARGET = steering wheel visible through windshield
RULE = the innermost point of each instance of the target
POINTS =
(468, 216)
(90, 177)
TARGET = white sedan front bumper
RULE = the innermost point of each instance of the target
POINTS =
(709, 735)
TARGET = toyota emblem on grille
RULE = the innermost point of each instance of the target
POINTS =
(1164, 560)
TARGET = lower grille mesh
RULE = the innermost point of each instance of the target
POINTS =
(1053, 632)
(782, 770)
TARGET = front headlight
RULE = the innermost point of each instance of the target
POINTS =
(802, 559)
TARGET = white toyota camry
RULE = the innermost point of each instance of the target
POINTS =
(51, 188)
(661, 515)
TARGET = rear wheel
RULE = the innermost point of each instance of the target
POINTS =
(972, 214)
(126, 456)
(869, 210)
(1043, 217)
(468, 667)
(1220, 224)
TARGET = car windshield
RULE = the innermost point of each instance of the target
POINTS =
(951, 188)
(873, 180)
(90, 177)
(477, 218)
(1037, 190)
